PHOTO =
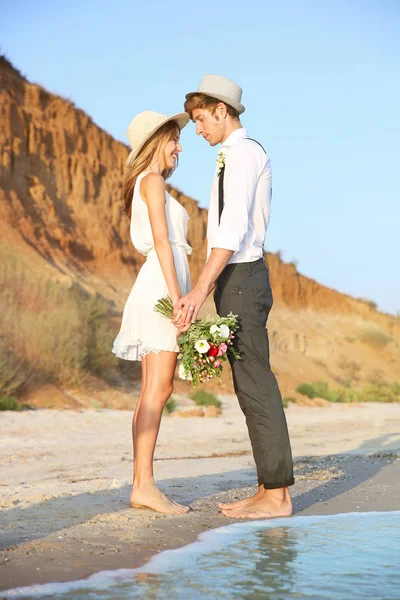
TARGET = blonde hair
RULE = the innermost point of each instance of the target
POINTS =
(144, 159)
(203, 101)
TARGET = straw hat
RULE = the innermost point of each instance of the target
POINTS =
(222, 89)
(144, 125)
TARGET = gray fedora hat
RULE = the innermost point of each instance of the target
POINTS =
(144, 125)
(222, 89)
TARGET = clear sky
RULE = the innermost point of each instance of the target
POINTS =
(321, 83)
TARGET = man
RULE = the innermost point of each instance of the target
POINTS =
(237, 223)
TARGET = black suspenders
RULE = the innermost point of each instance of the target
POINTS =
(221, 185)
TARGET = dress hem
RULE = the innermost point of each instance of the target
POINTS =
(138, 350)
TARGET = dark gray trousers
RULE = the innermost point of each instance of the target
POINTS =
(244, 289)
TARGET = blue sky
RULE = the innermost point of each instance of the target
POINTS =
(321, 83)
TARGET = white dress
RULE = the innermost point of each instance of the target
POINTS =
(143, 330)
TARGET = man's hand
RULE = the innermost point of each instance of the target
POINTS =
(187, 308)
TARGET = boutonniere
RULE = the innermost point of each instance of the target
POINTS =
(220, 162)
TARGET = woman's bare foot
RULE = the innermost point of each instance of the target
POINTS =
(272, 503)
(149, 496)
(242, 503)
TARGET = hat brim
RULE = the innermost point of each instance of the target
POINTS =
(182, 119)
(236, 105)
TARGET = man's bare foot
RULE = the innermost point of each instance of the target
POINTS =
(242, 503)
(272, 504)
(149, 496)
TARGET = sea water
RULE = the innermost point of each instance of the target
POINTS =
(355, 555)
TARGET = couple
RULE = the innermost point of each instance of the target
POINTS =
(235, 269)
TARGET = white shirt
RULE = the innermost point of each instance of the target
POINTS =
(247, 199)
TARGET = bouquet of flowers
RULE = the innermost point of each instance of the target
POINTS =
(205, 346)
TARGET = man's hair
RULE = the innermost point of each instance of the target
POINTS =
(203, 101)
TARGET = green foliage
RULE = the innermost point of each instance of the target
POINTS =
(11, 403)
(369, 302)
(371, 392)
(165, 307)
(204, 336)
(375, 338)
(14, 374)
(381, 393)
(372, 304)
(320, 389)
(170, 405)
(48, 332)
(203, 398)
(306, 389)
(286, 400)
(94, 313)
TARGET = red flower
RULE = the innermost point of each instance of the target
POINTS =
(213, 350)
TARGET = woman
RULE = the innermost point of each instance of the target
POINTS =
(158, 231)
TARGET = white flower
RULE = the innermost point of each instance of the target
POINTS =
(184, 374)
(220, 162)
(214, 330)
(224, 331)
(202, 346)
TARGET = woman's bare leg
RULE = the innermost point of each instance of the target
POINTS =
(135, 414)
(158, 384)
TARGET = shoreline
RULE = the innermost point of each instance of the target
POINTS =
(61, 527)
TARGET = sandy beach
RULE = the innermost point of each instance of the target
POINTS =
(65, 479)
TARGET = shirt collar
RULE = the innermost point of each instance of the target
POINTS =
(234, 137)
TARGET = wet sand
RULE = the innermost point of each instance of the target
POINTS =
(65, 481)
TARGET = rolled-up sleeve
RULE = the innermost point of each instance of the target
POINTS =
(242, 171)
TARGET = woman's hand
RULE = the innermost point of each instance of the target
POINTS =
(175, 301)
(175, 298)
(178, 333)
(187, 308)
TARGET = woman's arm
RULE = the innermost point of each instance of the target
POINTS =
(152, 190)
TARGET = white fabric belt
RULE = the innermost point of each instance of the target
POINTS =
(187, 249)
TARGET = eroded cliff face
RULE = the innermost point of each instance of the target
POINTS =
(60, 199)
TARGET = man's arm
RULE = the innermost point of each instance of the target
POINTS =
(194, 300)
(240, 182)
